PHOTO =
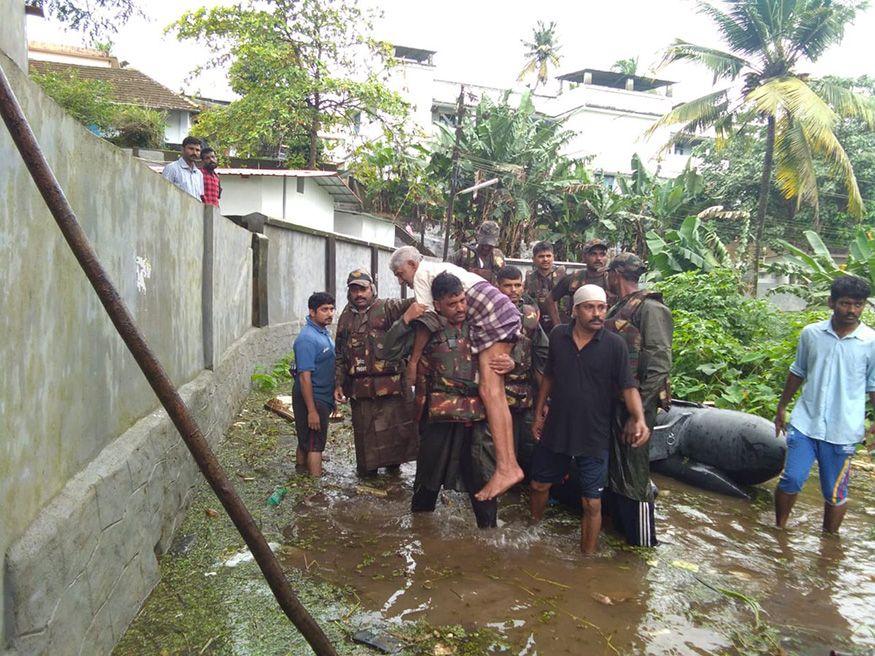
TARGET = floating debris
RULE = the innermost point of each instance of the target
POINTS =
(384, 643)
(243, 556)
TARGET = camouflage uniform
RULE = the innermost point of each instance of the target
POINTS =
(538, 288)
(468, 258)
(383, 426)
(530, 353)
(645, 323)
(455, 450)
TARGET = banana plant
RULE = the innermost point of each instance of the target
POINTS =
(694, 246)
(812, 273)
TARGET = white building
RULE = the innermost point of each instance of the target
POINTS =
(129, 86)
(608, 112)
(314, 199)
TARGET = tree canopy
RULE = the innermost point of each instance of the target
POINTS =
(766, 42)
(542, 52)
(302, 68)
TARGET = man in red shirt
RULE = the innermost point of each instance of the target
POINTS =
(212, 185)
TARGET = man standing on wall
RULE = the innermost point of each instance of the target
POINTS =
(587, 374)
(645, 323)
(184, 173)
(483, 258)
(595, 256)
(212, 184)
(382, 420)
(313, 392)
(541, 280)
(835, 359)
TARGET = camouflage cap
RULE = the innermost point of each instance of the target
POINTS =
(359, 277)
(594, 243)
(488, 233)
(627, 262)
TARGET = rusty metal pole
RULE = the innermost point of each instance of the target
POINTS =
(51, 191)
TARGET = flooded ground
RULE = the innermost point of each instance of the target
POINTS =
(723, 581)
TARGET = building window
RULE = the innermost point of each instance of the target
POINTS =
(300, 185)
(682, 148)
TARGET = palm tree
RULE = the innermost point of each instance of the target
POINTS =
(627, 66)
(541, 52)
(767, 40)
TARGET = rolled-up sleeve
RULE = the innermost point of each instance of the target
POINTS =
(800, 364)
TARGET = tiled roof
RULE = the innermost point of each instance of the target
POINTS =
(129, 85)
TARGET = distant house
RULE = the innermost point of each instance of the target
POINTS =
(314, 199)
(607, 112)
(129, 86)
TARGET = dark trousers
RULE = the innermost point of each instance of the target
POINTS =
(460, 449)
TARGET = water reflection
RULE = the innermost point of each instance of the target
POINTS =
(723, 581)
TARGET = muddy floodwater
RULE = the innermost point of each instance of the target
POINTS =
(723, 580)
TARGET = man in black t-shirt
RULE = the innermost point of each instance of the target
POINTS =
(593, 367)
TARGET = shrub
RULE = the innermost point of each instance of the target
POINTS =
(729, 349)
(137, 127)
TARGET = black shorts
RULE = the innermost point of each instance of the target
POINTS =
(591, 471)
(310, 440)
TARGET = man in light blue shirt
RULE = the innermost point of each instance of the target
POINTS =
(183, 172)
(836, 361)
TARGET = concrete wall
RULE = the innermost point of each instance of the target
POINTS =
(93, 478)
(13, 42)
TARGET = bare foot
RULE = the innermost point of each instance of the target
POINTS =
(500, 483)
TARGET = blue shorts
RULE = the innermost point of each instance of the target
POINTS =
(833, 461)
(551, 467)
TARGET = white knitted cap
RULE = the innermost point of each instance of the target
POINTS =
(589, 293)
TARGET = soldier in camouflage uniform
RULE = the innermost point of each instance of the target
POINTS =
(483, 258)
(455, 449)
(528, 357)
(641, 318)
(541, 280)
(382, 421)
(595, 256)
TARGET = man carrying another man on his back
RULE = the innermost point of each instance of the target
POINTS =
(587, 374)
(382, 422)
(456, 450)
(313, 392)
(184, 173)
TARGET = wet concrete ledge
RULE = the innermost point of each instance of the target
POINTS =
(81, 571)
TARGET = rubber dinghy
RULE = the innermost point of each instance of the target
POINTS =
(717, 450)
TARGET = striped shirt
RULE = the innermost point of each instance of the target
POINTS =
(188, 178)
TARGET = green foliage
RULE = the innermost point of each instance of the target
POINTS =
(137, 127)
(268, 379)
(88, 101)
(766, 41)
(692, 247)
(729, 349)
(395, 171)
(541, 53)
(812, 273)
(300, 67)
(95, 19)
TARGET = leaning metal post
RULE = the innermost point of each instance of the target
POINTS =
(121, 318)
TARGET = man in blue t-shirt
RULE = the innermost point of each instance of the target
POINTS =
(313, 393)
(836, 361)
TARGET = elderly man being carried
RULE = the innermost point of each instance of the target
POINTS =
(495, 323)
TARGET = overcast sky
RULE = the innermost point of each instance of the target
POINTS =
(479, 41)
